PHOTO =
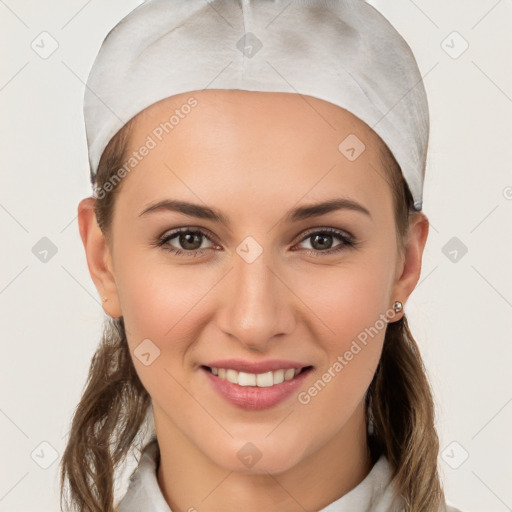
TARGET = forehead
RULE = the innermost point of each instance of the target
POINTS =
(262, 145)
(232, 108)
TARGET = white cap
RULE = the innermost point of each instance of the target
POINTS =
(341, 51)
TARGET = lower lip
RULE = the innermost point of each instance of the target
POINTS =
(254, 397)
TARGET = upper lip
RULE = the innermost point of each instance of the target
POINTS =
(241, 365)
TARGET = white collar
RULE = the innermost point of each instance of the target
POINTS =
(375, 493)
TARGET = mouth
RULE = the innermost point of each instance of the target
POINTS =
(255, 385)
(260, 380)
(256, 391)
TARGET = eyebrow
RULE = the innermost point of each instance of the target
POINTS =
(293, 215)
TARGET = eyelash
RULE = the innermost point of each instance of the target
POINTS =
(348, 241)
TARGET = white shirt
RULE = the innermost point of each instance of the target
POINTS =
(374, 494)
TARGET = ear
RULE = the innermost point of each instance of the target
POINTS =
(98, 256)
(409, 266)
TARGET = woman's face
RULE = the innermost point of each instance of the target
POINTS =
(264, 285)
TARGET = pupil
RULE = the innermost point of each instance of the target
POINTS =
(185, 240)
(321, 237)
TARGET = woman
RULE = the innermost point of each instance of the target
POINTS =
(255, 233)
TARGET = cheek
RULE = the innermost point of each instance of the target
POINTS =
(158, 300)
(349, 301)
(340, 383)
(160, 303)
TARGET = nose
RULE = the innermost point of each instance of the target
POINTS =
(257, 304)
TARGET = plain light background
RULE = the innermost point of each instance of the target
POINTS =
(460, 312)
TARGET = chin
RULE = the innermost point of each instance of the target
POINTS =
(258, 457)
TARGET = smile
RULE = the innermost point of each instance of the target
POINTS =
(261, 380)
(256, 391)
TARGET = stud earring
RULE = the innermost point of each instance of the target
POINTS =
(105, 299)
(397, 306)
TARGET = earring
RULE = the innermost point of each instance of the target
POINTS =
(397, 306)
(105, 299)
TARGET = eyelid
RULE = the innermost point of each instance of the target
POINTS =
(189, 229)
(325, 229)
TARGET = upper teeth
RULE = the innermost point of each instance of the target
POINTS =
(255, 379)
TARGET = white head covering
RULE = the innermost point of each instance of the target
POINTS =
(341, 51)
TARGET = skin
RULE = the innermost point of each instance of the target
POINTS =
(253, 156)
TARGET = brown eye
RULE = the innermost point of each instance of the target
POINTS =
(188, 242)
(322, 241)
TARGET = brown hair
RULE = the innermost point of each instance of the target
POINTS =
(110, 416)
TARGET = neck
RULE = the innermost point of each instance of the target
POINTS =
(191, 481)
